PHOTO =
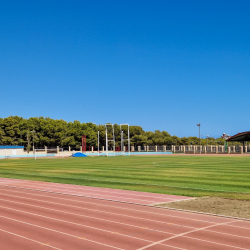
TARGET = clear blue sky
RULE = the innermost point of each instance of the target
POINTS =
(160, 64)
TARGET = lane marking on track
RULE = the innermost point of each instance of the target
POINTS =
(29, 239)
(126, 235)
(60, 232)
(101, 196)
(79, 195)
(96, 211)
(130, 225)
(217, 243)
(182, 234)
(96, 218)
(227, 234)
(102, 190)
(110, 212)
(216, 232)
(80, 215)
(73, 223)
(144, 205)
(93, 203)
(134, 237)
(119, 214)
(46, 196)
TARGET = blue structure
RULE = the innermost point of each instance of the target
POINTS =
(79, 154)
(11, 147)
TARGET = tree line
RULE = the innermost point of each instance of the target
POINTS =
(15, 130)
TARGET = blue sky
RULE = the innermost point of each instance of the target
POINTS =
(164, 65)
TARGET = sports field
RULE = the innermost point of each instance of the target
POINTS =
(197, 176)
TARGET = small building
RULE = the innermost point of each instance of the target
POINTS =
(11, 151)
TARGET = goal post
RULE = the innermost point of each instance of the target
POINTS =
(110, 137)
(123, 139)
(48, 152)
(109, 127)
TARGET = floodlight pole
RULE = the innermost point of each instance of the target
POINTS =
(113, 139)
(33, 140)
(106, 141)
(122, 143)
(199, 125)
(128, 141)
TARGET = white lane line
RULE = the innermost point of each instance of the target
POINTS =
(87, 226)
(103, 190)
(149, 229)
(73, 223)
(134, 217)
(93, 203)
(30, 239)
(83, 192)
(209, 230)
(227, 234)
(217, 243)
(146, 229)
(60, 232)
(132, 236)
(182, 234)
(78, 195)
(99, 189)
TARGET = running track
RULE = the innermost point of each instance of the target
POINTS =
(31, 219)
(135, 197)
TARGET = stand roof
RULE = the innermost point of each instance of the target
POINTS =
(245, 136)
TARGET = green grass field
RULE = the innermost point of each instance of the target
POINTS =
(219, 176)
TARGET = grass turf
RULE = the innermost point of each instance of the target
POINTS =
(217, 176)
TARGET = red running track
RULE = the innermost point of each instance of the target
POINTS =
(30, 219)
(95, 192)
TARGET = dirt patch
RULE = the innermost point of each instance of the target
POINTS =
(214, 205)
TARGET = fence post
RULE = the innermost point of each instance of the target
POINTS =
(155, 148)
(245, 149)
(164, 148)
(92, 149)
(139, 148)
(216, 149)
(234, 149)
(205, 149)
(241, 149)
(69, 149)
(229, 150)
(46, 149)
(184, 149)
(174, 149)
(81, 148)
(194, 149)
(102, 148)
(57, 149)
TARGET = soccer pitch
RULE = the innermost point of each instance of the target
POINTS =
(218, 176)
